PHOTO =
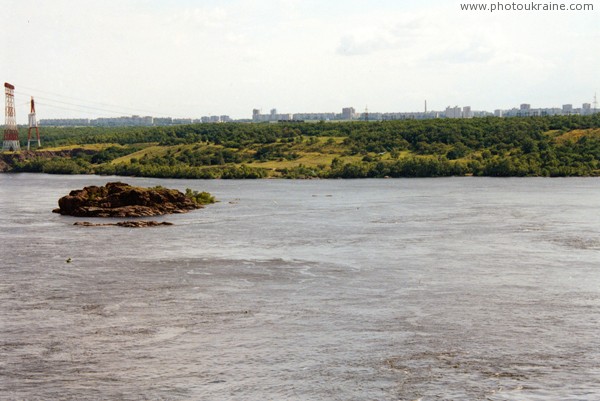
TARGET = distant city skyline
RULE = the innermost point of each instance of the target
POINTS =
(347, 114)
(185, 59)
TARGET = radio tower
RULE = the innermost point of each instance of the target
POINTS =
(33, 125)
(595, 103)
(11, 133)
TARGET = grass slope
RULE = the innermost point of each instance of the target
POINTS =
(546, 146)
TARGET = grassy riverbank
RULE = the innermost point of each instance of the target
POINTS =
(533, 146)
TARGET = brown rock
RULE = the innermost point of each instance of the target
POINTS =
(131, 224)
(117, 199)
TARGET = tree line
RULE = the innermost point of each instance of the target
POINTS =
(526, 146)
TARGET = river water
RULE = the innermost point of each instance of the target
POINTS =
(416, 289)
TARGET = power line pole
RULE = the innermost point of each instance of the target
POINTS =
(11, 132)
(33, 125)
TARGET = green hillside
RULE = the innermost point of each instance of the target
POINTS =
(533, 146)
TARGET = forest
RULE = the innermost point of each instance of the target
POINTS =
(501, 147)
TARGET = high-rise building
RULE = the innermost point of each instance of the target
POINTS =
(255, 115)
(586, 109)
(453, 112)
(524, 110)
(348, 113)
(466, 112)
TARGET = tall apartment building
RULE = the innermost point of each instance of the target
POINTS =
(453, 112)
(567, 109)
(272, 116)
(348, 113)
(466, 112)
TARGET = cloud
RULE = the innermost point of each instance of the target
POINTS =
(240, 54)
(200, 18)
(380, 35)
(464, 54)
(349, 46)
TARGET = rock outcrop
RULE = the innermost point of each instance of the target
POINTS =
(130, 224)
(117, 199)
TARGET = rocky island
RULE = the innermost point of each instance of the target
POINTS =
(118, 199)
(130, 224)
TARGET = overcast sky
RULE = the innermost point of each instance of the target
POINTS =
(187, 58)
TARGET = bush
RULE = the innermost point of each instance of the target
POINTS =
(201, 198)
